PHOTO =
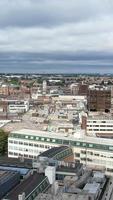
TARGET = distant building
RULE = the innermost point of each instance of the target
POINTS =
(44, 87)
(18, 106)
(99, 99)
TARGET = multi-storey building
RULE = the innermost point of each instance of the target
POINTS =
(92, 151)
(18, 106)
(99, 99)
(100, 125)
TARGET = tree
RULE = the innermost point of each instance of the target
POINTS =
(3, 142)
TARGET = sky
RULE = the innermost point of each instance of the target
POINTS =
(58, 35)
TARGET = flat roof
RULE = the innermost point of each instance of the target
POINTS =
(22, 171)
(62, 136)
(15, 162)
(92, 187)
(69, 169)
(27, 186)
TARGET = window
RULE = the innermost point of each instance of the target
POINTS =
(41, 146)
(21, 143)
(35, 145)
(10, 141)
(96, 154)
(77, 154)
(84, 152)
(30, 144)
(10, 153)
(25, 143)
(15, 154)
(111, 148)
(91, 145)
(15, 142)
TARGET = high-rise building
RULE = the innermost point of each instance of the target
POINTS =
(99, 99)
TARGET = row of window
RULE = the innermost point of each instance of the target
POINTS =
(30, 144)
(100, 129)
(99, 121)
(10, 153)
(100, 125)
(28, 149)
(65, 142)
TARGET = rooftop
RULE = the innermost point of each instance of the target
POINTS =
(61, 136)
(54, 151)
(27, 186)
(92, 188)
(5, 175)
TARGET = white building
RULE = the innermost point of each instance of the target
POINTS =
(18, 106)
(44, 87)
(100, 125)
(92, 151)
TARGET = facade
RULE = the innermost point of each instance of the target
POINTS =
(16, 106)
(99, 99)
(4, 90)
(92, 151)
(100, 126)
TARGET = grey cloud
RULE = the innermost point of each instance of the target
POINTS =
(27, 13)
(55, 56)
(56, 30)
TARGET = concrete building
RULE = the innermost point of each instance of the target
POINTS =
(92, 151)
(100, 125)
(18, 106)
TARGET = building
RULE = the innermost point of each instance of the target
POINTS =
(29, 188)
(82, 186)
(79, 89)
(100, 125)
(99, 98)
(14, 106)
(92, 151)
(18, 106)
(4, 90)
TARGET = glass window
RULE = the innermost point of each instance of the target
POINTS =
(90, 145)
(111, 148)
(10, 141)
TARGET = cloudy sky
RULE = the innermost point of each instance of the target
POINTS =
(74, 35)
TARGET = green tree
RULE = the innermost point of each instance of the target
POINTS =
(3, 142)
